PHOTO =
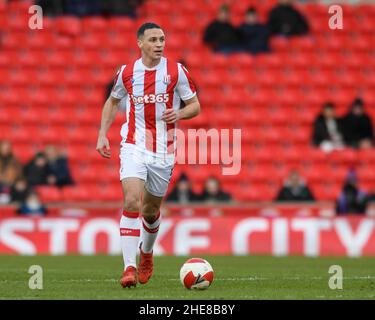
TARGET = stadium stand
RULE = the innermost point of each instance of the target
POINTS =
(52, 83)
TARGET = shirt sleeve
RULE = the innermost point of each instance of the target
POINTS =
(185, 85)
(118, 89)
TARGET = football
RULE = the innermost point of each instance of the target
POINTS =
(196, 273)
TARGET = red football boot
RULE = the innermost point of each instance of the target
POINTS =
(145, 267)
(129, 277)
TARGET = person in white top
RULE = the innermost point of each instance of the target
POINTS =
(153, 87)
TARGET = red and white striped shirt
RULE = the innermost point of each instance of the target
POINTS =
(149, 91)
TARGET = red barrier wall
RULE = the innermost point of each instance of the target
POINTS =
(311, 236)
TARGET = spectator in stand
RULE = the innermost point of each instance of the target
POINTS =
(371, 196)
(351, 199)
(36, 171)
(357, 126)
(10, 167)
(5, 197)
(121, 7)
(327, 132)
(212, 192)
(220, 34)
(82, 8)
(32, 206)
(57, 167)
(295, 189)
(51, 8)
(286, 20)
(254, 35)
(19, 191)
(182, 192)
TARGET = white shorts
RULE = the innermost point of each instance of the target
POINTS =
(155, 170)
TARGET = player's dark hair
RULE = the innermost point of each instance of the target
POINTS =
(146, 26)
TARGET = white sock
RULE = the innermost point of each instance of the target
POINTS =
(149, 234)
(130, 233)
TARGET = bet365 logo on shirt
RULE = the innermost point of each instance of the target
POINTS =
(150, 98)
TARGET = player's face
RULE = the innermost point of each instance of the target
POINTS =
(152, 43)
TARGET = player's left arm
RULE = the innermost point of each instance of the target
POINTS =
(192, 109)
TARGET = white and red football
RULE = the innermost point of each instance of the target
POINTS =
(196, 273)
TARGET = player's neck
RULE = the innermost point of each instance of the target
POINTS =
(150, 63)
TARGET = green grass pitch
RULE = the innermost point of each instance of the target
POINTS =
(237, 278)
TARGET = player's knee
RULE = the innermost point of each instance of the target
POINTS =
(149, 210)
(131, 203)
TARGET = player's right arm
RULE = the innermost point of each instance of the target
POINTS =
(110, 109)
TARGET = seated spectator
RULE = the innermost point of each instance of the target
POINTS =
(32, 206)
(295, 189)
(254, 35)
(10, 168)
(82, 8)
(57, 167)
(20, 190)
(5, 197)
(121, 7)
(285, 20)
(212, 192)
(36, 171)
(371, 196)
(182, 192)
(220, 34)
(327, 132)
(357, 126)
(351, 199)
(51, 7)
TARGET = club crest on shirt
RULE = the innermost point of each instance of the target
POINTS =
(167, 79)
(132, 80)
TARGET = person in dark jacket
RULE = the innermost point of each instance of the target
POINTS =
(357, 126)
(58, 169)
(82, 8)
(286, 20)
(371, 196)
(36, 171)
(254, 35)
(220, 34)
(20, 190)
(182, 192)
(295, 189)
(120, 7)
(212, 192)
(351, 199)
(327, 131)
(51, 8)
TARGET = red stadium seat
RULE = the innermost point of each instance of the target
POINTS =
(49, 193)
(77, 193)
(51, 93)
(94, 24)
(70, 26)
